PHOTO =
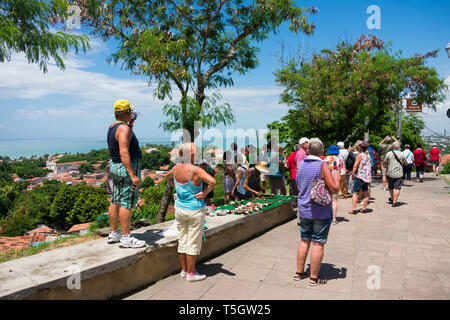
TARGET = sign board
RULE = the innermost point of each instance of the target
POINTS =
(413, 106)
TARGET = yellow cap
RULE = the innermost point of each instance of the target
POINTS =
(122, 105)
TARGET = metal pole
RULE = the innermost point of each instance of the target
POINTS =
(366, 134)
(399, 122)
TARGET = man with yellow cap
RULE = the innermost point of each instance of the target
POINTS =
(125, 172)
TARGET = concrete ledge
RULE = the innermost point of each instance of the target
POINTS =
(106, 271)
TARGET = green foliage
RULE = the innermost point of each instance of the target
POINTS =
(88, 205)
(19, 221)
(147, 182)
(91, 157)
(209, 114)
(86, 168)
(78, 204)
(154, 159)
(412, 125)
(331, 95)
(446, 168)
(25, 27)
(28, 168)
(152, 198)
(192, 44)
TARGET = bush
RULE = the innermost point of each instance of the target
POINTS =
(446, 168)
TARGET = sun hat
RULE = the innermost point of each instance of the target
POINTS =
(303, 140)
(262, 167)
(122, 105)
(333, 150)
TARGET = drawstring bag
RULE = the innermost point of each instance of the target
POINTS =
(319, 193)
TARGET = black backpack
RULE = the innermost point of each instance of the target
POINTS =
(350, 162)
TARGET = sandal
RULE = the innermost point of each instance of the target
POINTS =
(353, 212)
(317, 281)
(335, 222)
(363, 211)
(300, 276)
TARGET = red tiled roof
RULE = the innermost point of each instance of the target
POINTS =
(445, 158)
(74, 162)
(34, 179)
(78, 227)
(19, 243)
(43, 229)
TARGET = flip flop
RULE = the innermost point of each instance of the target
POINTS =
(300, 276)
(355, 212)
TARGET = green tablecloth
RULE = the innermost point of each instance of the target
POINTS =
(277, 201)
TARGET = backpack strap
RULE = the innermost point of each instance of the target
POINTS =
(397, 158)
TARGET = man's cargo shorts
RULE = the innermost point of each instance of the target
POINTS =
(123, 192)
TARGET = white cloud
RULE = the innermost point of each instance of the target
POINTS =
(438, 120)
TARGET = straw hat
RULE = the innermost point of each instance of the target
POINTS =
(262, 167)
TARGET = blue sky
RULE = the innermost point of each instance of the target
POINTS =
(78, 102)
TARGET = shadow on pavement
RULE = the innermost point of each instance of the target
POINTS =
(213, 269)
(341, 219)
(330, 272)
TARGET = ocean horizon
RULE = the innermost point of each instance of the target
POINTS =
(16, 148)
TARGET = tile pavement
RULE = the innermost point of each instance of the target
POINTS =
(409, 246)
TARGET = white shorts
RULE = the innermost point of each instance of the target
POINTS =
(190, 230)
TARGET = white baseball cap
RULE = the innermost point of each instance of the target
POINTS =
(303, 140)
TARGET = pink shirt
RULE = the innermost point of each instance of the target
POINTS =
(300, 156)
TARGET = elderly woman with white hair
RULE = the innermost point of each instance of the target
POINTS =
(315, 219)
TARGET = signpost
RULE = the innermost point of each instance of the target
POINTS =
(413, 106)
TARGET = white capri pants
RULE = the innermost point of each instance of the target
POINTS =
(190, 230)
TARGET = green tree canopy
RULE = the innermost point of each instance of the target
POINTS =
(193, 45)
(331, 95)
(25, 26)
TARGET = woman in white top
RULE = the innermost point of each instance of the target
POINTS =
(409, 156)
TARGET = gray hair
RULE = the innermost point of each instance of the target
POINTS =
(396, 145)
(407, 146)
(296, 147)
(341, 145)
(315, 147)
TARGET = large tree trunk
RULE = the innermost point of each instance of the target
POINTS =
(161, 217)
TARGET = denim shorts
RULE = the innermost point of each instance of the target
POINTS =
(360, 184)
(315, 229)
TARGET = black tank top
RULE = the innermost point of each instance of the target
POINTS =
(113, 145)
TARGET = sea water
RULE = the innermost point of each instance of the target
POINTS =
(16, 148)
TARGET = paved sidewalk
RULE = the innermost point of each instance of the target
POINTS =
(409, 244)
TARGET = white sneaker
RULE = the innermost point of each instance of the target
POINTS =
(114, 238)
(196, 277)
(131, 242)
(183, 274)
